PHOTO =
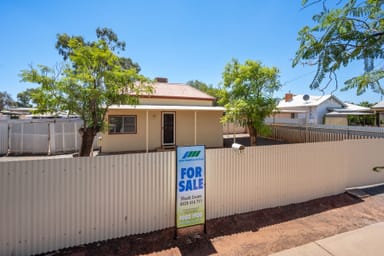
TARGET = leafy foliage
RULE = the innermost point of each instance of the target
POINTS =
(250, 87)
(361, 120)
(352, 31)
(218, 93)
(92, 79)
(6, 100)
(24, 98)
(366, 104)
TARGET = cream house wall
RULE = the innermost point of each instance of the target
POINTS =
(336, 120)
(185, 121)
(281, 115)
(137, 141)
(208, 130)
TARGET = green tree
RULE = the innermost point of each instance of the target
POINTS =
(218, 93)
(199, 85)
(250, 87)
(24, 98)
(366, 104)
(354, 30)
(92, 78)
(105, 34)
(362, 119)
(6, 100)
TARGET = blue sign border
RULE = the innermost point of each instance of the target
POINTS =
(190, 200)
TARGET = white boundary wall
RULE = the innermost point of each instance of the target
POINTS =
(40, 136)
(46, 205)
(3, 137)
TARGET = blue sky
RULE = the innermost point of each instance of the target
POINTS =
(179, 39)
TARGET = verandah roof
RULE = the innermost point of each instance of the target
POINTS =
(167, 107)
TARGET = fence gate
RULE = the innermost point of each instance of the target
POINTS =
(40, 136)
(29, 138)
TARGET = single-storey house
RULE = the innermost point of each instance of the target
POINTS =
(379, 111)
(16, 113)
(28, 113)
(305, 109)
(173, 115)
(344, 116)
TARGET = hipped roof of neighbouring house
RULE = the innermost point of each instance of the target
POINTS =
(352, 108)
(379, 105)
(301, 101)
(348, 114)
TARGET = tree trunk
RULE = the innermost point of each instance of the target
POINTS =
(87, 135)
(252, 134)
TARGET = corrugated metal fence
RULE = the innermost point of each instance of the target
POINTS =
(271, 176)
(320, 133)
(50, 204)
(360, 157)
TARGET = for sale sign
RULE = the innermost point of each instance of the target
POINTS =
(190, 187)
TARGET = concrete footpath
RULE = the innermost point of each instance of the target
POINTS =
(368, 241)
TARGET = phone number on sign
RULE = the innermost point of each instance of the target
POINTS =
(191, 202)
(191, 216)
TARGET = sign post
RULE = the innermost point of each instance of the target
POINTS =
(190, 186)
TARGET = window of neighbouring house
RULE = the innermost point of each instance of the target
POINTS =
(122, 124)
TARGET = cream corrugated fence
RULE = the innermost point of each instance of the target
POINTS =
(263, 177)
(319, 133)
(51, 204)
(46, 205)
(360, 157)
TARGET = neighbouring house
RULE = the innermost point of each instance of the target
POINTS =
(304, 109)
(28, 113)
(173, 115)
(351, 114)
(379, 112)
(17, 113)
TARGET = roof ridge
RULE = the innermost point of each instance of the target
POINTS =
(177, 90)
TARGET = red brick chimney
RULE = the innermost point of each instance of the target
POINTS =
(161, 79)
(288, 97)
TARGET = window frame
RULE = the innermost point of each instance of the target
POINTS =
(122, 117)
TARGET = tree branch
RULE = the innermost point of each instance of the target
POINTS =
(358, 20)
(378, 34)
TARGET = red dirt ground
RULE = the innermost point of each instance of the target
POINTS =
(255, 233)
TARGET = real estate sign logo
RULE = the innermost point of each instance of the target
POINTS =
(191, 154)
(190, 187)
